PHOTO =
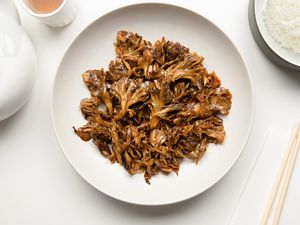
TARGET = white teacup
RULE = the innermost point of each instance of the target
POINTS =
(59, 17)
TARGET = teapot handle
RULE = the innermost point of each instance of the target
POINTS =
(8, 8)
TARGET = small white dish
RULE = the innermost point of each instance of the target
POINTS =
(94, 48)
(60, 17)
(272, 48)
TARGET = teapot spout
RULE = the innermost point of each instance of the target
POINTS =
(8, 8)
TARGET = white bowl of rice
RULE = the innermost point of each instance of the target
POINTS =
(275, 25)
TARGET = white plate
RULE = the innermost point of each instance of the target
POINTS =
(94, 48)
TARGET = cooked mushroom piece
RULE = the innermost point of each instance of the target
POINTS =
(154, 107)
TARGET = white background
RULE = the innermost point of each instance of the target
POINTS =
(37, 184)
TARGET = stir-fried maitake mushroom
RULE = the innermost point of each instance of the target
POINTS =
(155, 106)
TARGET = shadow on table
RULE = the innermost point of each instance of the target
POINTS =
(292, 75)
(10, 121)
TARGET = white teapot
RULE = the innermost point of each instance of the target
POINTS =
(17, 61)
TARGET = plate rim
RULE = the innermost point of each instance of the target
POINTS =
(251, 94)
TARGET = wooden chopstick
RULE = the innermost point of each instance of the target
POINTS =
(290, 154)
(287, 179)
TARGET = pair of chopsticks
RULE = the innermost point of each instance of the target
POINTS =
(283, 178)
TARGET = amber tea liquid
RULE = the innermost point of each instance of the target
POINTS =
(44, 6)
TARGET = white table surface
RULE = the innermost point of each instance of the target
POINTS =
(37, 184)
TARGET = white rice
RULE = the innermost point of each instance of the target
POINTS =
(282, 18)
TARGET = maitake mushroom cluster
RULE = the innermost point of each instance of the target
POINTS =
(155, 106)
